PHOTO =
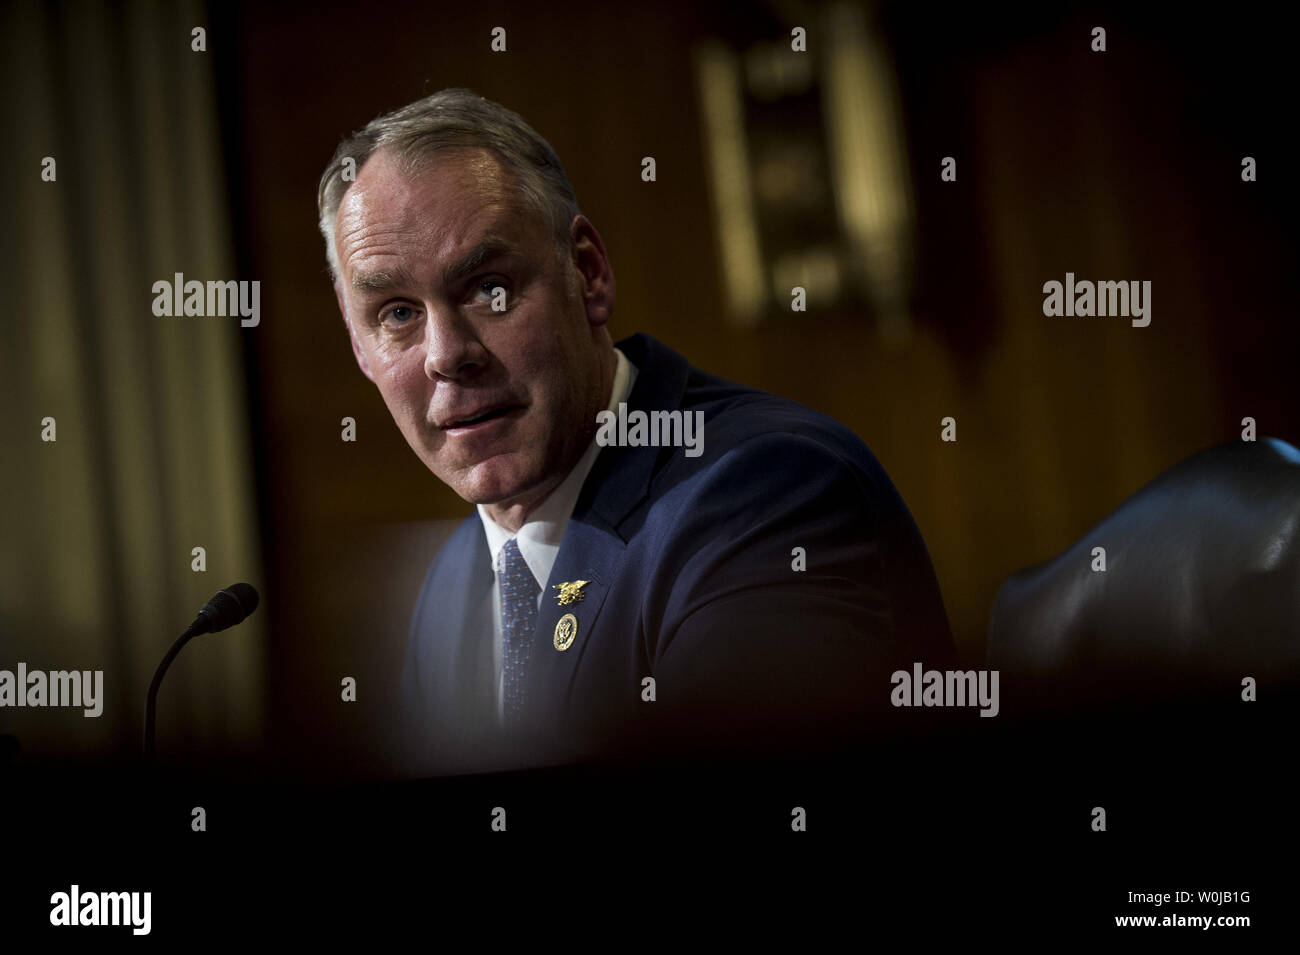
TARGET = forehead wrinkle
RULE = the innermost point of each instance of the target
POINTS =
(389, 215)
(359, 231)
(365, 238)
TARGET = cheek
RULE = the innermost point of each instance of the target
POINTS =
(404, 392)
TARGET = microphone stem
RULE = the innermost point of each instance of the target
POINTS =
(150, 704)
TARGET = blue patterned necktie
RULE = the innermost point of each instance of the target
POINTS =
(518, 620)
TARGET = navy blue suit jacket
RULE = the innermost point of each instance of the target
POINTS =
(691, 563)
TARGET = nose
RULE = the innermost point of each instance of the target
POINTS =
(452, 350)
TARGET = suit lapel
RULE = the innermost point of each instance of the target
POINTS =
(591, 553)
(461, 667)
(593, 546)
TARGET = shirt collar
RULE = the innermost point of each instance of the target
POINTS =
(540, 536)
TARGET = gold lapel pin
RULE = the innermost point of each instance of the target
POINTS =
(570, 592)
(565, 631)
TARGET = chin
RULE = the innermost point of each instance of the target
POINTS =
(491, 488)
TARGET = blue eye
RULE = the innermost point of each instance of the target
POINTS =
(489, 287)
(400, 314)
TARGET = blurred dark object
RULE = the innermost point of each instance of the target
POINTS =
(809, 171)
(1201, 586)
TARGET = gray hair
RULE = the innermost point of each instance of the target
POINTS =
(453, 119)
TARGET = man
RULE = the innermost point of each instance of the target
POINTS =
(755, 587)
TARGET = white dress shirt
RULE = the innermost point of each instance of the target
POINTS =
(540, 537)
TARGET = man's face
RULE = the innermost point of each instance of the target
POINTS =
(498, 404)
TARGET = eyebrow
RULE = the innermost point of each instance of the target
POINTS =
(489, 248)
(381, 281)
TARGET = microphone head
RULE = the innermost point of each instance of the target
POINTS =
(246, 594)
(229, 606)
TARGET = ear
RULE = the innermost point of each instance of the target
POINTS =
(589, 258)
(356, 345)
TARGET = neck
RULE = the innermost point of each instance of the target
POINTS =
(512, 514)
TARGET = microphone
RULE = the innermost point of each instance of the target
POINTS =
(227, 608)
